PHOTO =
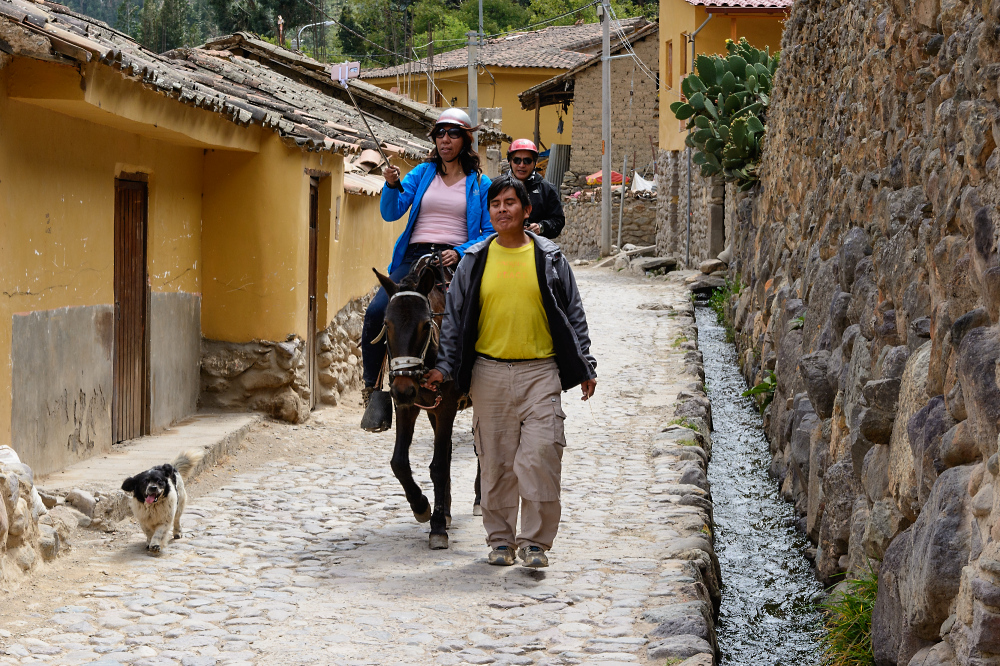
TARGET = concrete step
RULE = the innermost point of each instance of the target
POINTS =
(217, 435)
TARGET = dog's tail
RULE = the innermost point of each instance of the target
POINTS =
(187, 461)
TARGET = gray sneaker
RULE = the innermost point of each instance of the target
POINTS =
(501, 556)
(533, 557)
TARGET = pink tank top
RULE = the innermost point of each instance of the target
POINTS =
(442, 214)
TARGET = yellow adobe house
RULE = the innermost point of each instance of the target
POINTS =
(760, 21)
(507, 66)
(175, 230)
(690, 209)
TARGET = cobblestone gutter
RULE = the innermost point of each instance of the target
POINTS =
(691, 579)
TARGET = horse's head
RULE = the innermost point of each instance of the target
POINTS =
(409, 324)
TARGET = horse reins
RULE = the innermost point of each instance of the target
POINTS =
(413, 366)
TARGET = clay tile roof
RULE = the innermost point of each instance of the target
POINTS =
(554, 47)
(744, 4)
(240, 89)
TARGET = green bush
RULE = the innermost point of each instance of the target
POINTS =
(726, 109)
(848, 638)
(765, 388)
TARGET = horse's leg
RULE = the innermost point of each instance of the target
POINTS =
(442, 419)
(406, 418)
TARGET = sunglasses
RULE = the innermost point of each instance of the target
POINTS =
(452, 132)
(522, 160)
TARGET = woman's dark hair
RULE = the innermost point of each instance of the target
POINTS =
(468, 158)
(505, 182)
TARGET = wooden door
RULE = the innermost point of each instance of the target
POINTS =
(311, 366)
(130, 403)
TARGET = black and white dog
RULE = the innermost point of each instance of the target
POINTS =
(158, 498)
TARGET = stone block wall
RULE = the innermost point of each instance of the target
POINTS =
(271, 377)
(871, 276)
(581, 237)
(630, 131)
(671, 213)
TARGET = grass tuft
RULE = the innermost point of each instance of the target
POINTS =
(684, 423)
(719, 301)
(848, 638)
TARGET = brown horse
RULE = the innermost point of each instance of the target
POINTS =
(412, 326)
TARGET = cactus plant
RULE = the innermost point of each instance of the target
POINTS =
(725, 107)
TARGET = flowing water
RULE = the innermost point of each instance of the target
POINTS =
(768, 614)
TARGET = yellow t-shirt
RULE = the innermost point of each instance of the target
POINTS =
(512, 321)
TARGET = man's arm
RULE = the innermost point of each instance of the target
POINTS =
(552, 219)
(448, 346)
(574, 311)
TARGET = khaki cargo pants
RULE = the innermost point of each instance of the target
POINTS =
(519, 438)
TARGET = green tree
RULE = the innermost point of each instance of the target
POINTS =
(127, 17)
(174, 17)
(150, 34)
(350, 43)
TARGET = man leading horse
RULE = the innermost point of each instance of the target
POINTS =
(514, 336)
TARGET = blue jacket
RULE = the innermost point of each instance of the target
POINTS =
(394, 203)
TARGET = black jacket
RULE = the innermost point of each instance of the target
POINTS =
(560, 298)
(546, 205)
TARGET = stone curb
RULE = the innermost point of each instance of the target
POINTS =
(112, 504)
(685, 628)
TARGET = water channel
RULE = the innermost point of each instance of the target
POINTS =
(768, 614)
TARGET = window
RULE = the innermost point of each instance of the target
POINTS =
(684, 60)
(668, 54)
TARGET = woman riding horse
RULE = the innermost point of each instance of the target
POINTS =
(446, 196)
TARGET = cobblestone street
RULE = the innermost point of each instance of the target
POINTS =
(311, 555)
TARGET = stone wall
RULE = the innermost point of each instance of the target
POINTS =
(630, 131)
(271, 377)
(29, 533)
(671, 213)
(872, 291)
(581, 237)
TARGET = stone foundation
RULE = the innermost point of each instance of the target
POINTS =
(270, 377)
(339, 360)
(581, 237)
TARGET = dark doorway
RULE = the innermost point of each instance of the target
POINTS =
(130, 403)
(312, 369)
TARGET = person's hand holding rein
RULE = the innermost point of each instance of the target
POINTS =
(588, 387)
(449, 257)
(432, 379)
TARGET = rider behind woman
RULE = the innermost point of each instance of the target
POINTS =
(446, 196)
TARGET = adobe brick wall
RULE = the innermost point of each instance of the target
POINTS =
(629, 132)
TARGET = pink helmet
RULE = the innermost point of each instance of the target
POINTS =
(454, 116)
(522, 144)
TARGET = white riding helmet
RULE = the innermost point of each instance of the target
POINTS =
(455, 116)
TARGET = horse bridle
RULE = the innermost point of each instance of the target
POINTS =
(412, 366)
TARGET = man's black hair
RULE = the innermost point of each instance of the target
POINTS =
(508, 181)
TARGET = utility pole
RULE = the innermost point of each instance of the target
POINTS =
(481, 35)
(431, 97)
(473, 86)
(602, 10)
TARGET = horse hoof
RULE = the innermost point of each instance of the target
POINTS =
(423, 517)
(447, 521)
(477, 510)
(439, 541)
